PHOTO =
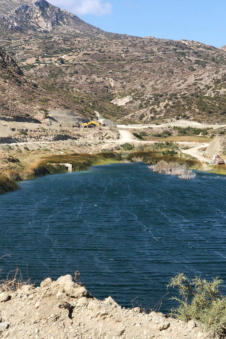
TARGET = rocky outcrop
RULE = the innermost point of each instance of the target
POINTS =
(39, 15)
(173, 168)
(65, 309)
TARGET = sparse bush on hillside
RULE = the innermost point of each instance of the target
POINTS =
(127, 147)
(164, 134)
(200, 300)
(190, 131)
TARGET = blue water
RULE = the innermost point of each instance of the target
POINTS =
(126, 229)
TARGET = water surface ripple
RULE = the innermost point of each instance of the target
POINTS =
(126, 229)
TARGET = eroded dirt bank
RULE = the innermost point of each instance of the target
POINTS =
(63, 309)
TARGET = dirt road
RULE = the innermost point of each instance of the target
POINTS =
(178, 123)
(198, 152)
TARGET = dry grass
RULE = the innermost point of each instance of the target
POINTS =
(220, 169)
(13, 282)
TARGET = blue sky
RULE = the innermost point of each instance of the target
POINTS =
(201, 20)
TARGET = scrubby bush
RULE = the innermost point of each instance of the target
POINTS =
(191, 131)
(200, 300)
(127, 147)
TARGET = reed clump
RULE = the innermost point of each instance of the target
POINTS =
(7, 184)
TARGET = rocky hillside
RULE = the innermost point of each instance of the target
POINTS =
(16, 93)
(64, 309)
(125, 78)
(21, 98)
(38, 15)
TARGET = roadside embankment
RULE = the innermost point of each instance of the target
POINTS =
(64, 309)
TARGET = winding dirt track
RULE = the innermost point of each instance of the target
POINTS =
(196, 148)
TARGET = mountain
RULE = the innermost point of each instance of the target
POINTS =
(38, 15)
(123, 77)
(21, 99)
(14, 89)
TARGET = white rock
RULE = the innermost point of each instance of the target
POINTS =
(122, 101)
(71, 288)
(111, 301)
(46, 282)
(4, 326)
(37, 304)
(191, 324)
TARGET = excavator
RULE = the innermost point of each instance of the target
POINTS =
(91, 124)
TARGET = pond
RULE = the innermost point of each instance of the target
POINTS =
(126, 229)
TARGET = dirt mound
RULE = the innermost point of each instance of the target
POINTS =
(65, 309)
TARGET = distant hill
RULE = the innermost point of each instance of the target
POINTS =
(90, 70)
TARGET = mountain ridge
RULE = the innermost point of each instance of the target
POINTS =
(92, 70)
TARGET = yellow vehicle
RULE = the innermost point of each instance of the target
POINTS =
(91, 124)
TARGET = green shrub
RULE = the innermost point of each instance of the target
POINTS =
(127, 147)
(7, 185)
(140, 135)
(191, 131)
(200, 300)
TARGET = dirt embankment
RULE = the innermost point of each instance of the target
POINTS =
(64, 309)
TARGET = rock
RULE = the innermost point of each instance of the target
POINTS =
(191, 324)
(173, 168)
(111, 301)
(37, 305)
(164, 327)
(71, 288)
(65, 280)
(60, 295)
(5, 296)
(4, 326)
(47, 282)
(137, 310)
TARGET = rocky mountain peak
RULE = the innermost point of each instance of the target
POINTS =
(37, 15)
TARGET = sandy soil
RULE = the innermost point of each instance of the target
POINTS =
(63, 309)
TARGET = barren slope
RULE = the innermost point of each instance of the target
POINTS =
(158, 79)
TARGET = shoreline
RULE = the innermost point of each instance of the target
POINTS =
(65, 309)
(54, 164)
